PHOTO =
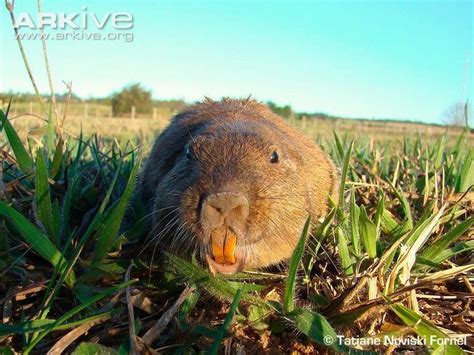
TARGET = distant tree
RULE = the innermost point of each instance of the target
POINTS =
(284, 111)
(458, 114)
(132, 95)
(18, 96)
(171, 105)
(64, 97)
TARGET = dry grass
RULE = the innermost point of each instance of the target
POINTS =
(144, 130)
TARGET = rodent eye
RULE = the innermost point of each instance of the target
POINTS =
(274, 158)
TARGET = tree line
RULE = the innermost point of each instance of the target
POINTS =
(137, 98)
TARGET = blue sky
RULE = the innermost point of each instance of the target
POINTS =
(385, 59)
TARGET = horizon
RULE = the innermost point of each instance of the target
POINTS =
(406, 61)
(312, 113)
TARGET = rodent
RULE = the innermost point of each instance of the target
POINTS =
(231, 181)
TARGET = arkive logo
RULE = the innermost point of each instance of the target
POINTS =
(76, 20)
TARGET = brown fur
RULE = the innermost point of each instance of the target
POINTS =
(231, 143)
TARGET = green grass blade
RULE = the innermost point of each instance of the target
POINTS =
(389, 223)
(465, 177)
(56, 221)
(43, 196)
(111, 227)
(339, 148)
(25, 327)
(97, 221)
(85, 304)
(323, 230)
(50, 134)
(216, 286)
(425, 221)
(406, 207)
(452, 235)
(57, 159)
(289, 297)
(380, 210)
(72, 194)
(368, 233)
(354, 215)
(446, 254)
(86, 348)
(433, 335)
(316, 327)
(21, 154)
(37, 240)
(224, 328)
(344, 253)
(345, 168)
(414, 241)
(438, 153)
(41, 324)
(459, 142)
(188, 305)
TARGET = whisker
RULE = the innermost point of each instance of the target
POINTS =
(158, 238)
(157, 211)
(159, 234)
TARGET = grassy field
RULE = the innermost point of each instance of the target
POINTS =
(143, 130)
(393, 260)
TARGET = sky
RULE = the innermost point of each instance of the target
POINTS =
(374, 59)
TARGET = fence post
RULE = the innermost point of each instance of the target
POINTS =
(133, 112)
(292, 119)
(86, 110)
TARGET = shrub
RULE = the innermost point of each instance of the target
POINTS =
(132, 95)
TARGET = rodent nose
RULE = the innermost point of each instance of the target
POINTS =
(231, 209)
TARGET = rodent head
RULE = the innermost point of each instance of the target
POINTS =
(234, 195)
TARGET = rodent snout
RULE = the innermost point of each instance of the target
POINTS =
(225, 208)
(223, 216)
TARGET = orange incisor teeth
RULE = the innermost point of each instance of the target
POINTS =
(217, 253)
(225, 254)
(229, 248)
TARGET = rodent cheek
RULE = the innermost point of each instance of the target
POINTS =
(252, 234)
(290, 165)
(261, 256)
(189, 211)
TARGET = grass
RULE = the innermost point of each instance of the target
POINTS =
(98, 121)
(393, 257)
